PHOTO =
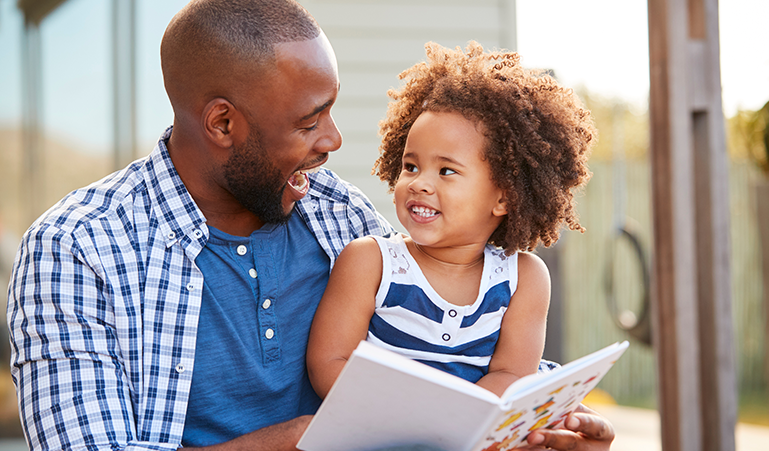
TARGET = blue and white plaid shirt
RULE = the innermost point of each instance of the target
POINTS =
(105, 297)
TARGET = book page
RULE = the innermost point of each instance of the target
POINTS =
(378, 404)
(546, 400)
(406, 365)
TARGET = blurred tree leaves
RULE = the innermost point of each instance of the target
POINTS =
(748, 136)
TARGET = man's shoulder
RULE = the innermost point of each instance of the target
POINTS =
(327, 184)
(111, 198)
(348, 213)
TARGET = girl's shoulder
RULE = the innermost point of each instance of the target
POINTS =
(532, 270)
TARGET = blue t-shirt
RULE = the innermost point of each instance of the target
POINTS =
(260, 294)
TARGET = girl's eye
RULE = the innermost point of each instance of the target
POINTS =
(447, 171)
(408, 167)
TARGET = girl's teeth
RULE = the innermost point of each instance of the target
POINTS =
(423, 211)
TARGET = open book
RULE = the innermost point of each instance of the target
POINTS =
(384, 400)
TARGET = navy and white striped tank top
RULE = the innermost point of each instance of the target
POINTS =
(412, 319)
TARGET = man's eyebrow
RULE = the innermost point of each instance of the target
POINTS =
(317, 110)
(321, 107)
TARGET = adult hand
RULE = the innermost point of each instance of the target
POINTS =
(585, 430)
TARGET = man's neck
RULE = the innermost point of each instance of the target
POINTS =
(219, 207)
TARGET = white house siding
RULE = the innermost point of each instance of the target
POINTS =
(374, 41)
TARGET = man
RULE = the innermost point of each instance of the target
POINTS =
(169, 304)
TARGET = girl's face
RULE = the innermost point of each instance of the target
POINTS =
(445, 196)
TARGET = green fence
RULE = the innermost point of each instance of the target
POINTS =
(584, 260)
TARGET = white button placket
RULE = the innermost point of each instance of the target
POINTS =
(452, 320)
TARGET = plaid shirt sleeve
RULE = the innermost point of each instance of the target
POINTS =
(72, 385)
(102, 310)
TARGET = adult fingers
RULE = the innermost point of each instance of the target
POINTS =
(591, 424)
(560, 439)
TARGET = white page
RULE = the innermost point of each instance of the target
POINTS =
(527, 383)
(389, 407)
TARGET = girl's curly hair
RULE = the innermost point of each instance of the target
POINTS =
(539, 136)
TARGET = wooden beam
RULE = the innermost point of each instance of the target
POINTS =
(32, 140)
(123, 83)
(691, 280)
(36, 10)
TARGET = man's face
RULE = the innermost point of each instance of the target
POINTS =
(291, 130)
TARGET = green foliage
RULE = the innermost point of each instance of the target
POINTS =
(621, 127)
(748, 137)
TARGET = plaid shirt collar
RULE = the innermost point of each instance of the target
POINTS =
(179, 215)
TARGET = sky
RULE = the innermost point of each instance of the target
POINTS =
(601, 45)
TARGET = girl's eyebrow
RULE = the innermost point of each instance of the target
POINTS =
(450, 160)
(440, 158)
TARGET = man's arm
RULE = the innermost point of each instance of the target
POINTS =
(68, 368)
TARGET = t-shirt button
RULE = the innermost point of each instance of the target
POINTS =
(198, 233)
(171, 235)
(242, 250)
(252, 273)
(452, 313)
(446, 337)
(190, 287)
(269, 333)
(180, 368)
(266, 304)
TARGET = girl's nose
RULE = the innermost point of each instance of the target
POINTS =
(421, 185)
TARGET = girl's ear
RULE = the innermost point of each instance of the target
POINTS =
(500, 209)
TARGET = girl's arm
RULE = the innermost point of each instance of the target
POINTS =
(522, 335)
(344, 312)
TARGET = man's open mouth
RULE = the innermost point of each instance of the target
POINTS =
(300, 180)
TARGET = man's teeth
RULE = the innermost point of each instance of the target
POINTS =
(424, 211)
(298, 180)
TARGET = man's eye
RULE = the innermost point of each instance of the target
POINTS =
(447, 171)
(312, 127)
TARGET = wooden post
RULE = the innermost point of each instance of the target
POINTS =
(123, 82)
(691, 304)
(32, 143)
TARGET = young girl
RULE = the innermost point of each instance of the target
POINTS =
(482, 156)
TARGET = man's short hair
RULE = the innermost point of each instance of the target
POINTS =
(248, 28)
(212, 45)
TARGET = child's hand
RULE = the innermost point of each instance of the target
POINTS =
(585, 430)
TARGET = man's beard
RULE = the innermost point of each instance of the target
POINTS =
(255, 182)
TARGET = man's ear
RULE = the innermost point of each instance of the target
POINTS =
(221, 121)
(500, 209)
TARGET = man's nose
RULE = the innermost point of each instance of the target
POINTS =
(331, 139)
